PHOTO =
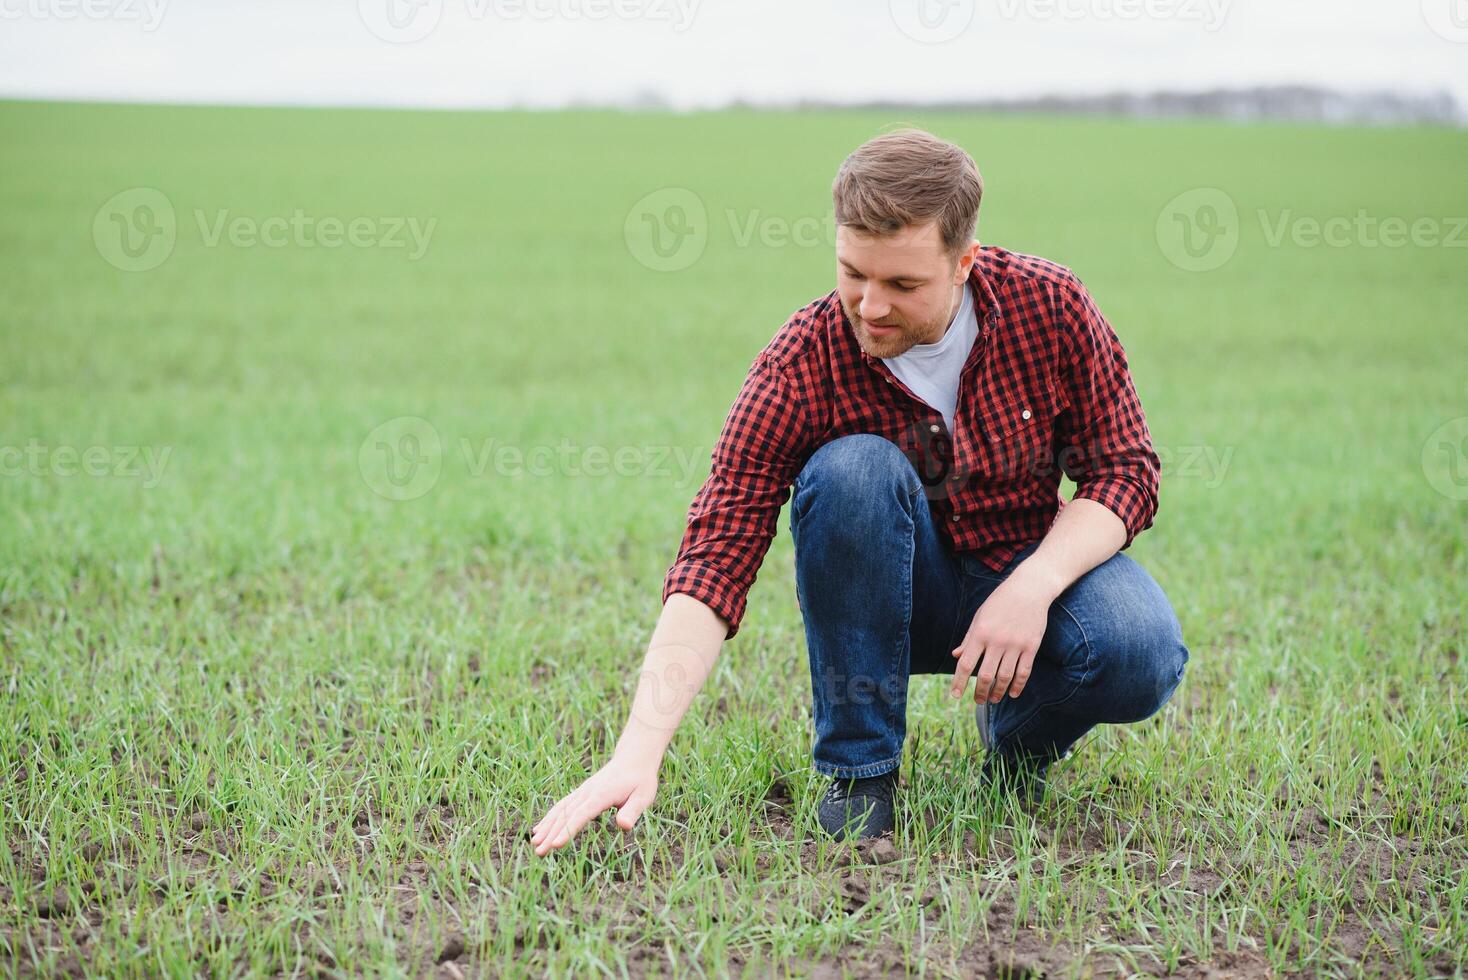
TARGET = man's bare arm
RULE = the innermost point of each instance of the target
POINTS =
(679, 658)
(1084, 535)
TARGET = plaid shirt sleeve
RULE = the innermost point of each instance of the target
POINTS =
(1104, 443)
(733, 517)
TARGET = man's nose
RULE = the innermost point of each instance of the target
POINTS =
(873, 306)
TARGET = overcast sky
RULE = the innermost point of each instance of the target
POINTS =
(698, 53)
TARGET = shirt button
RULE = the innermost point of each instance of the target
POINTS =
(932, 428)
(953, 517)
(1025, 414)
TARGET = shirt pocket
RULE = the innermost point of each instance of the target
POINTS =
(1019, 434)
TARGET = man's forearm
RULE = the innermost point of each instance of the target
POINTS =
(679, 658)
(1084, 535)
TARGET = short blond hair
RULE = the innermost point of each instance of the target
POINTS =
(909, 177)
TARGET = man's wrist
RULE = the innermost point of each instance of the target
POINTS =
(641, 745)
(1040, 575)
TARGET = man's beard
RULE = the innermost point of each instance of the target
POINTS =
(892, 344)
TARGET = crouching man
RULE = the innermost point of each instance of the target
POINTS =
(918, 418)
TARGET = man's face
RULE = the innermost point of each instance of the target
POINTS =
(901, 289)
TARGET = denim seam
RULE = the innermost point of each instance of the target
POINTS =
(904, 635)
(958, 609)
(1029, 719)
(861, 772)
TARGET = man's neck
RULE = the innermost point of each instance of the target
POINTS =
(953, 310)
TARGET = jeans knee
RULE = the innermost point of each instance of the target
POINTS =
(1136, 656)
(1143, 677)
(1171, 664)
(857, 471)
(1163, 672)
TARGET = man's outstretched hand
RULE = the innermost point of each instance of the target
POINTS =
(627, 784)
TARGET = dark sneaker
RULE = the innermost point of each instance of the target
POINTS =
(1023, 776)
(859, 808)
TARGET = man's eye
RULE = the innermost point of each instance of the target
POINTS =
(858, 277)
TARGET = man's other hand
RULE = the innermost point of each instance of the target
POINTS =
(1006, 633)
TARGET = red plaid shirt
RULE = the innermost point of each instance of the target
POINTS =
(1045, 389)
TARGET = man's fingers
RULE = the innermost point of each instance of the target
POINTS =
(628, 812)
(971, 654)
(547, 821)
(555, 813)
(582, 813)
(559, 834)
(1018, 687)
(552, 835)
(551, 814)
(984, 679)
(548, 832)
(1022, 668)
(573, 819)
(1003, 674)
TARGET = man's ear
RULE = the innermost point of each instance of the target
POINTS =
(966, 260)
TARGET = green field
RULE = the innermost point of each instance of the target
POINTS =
(272, 700)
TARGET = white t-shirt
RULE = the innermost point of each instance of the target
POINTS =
(932, 370)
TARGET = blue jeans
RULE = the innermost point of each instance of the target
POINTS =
(883, 598)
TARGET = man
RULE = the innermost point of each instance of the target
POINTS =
(922, 413)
